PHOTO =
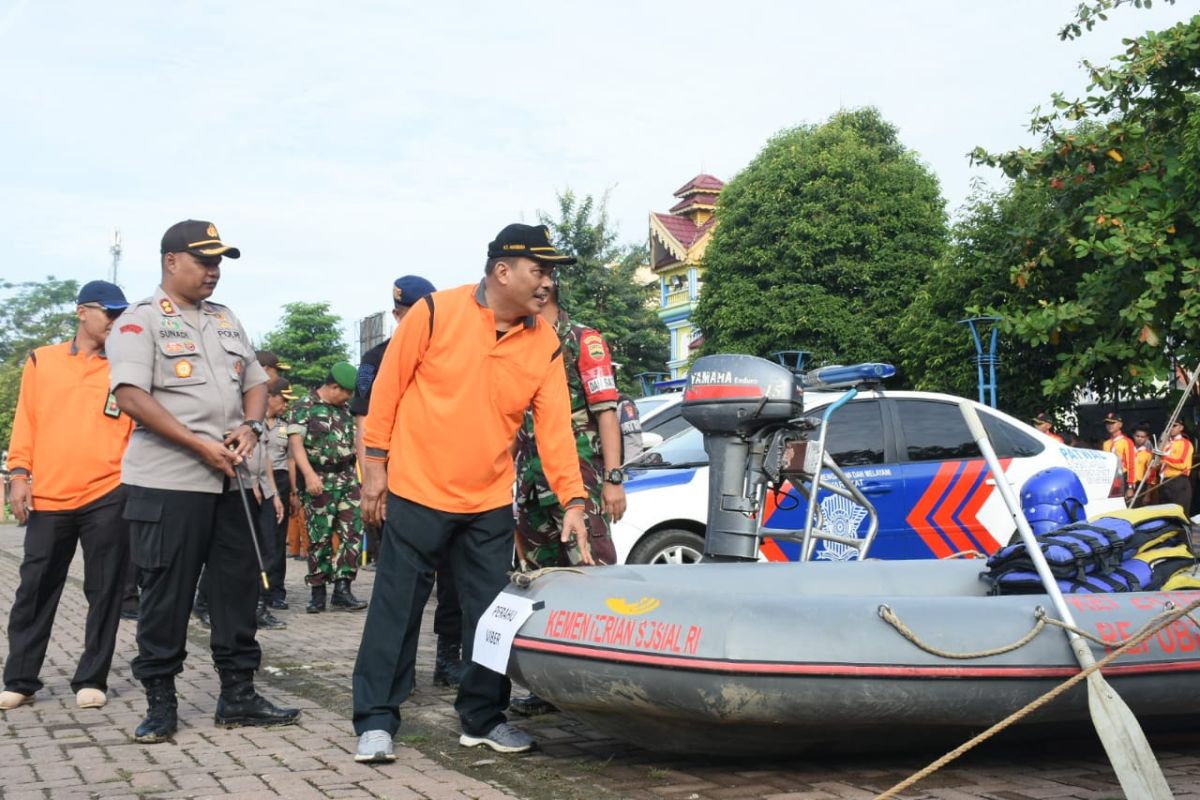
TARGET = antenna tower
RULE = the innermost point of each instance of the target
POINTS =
(116, 253)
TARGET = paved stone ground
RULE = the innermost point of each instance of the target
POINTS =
(52, 749)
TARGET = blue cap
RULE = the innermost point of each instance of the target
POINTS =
(106, 294)
(410, 289)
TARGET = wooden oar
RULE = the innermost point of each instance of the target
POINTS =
(1128, 751)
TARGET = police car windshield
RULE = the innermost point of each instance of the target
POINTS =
(684, 449)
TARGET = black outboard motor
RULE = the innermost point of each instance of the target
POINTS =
(732, 399)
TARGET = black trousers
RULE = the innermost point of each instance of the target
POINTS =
(1177, 490)
(173, 535)
(274, 537)
(448, 616)
(479, 547)
(50, 539)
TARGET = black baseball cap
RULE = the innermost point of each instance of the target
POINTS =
(104, 293)
(1112, 416)
(528, 241)
(268, 359)
(198, 237)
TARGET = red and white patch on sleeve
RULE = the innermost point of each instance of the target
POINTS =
(131, 328)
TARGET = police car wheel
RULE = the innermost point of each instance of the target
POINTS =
(670, 546)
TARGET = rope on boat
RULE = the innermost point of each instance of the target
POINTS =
(524, 579)
(889, 616)
(1153, 626)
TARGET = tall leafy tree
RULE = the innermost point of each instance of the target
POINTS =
(1108, 271)
(35, 314)
(822, 242)
(972, 279)
(602, 290)
(309, 339)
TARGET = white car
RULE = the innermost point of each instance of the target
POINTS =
(910, 453)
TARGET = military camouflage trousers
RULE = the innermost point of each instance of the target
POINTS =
(336, 509)
(540, 522)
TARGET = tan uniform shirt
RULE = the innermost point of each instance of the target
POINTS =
(197, 375)
(276, 443)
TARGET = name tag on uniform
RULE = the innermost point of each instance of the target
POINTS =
(111, 409)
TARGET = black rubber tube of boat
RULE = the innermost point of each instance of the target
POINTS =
(1124, 740)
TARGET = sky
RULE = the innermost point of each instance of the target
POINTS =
(341, 145)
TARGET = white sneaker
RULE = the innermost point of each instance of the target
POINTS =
(10, 700)
(88, 697)
(375, 747)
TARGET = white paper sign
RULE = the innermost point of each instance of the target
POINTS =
(497, 627)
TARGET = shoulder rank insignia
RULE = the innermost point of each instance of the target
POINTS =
(167, 306)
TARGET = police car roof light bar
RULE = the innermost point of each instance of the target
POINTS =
(844, 377)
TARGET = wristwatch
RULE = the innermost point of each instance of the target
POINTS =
(256, 426)
(615, 476)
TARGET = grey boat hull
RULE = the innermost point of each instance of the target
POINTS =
(780, 659)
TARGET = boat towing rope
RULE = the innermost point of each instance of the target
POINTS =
(1152, 626)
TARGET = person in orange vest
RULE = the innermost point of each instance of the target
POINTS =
(68, 436)
(1120, 445)
(1142, 457)
(1046, 425)
(1176, 484)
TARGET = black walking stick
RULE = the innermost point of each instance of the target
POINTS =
(262, 571)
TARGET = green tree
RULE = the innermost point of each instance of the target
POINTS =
(1109, 271)
(309, 339)
(35, 314)
(602, 291)
(822, 242)
(973, 278)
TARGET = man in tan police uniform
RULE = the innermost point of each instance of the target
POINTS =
(184, 369)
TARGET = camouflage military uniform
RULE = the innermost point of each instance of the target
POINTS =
(539, 514)
(336, 508)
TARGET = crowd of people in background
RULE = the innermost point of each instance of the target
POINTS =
(205, 470)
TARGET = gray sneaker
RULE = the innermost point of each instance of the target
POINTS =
(375, 747)
(503, 738)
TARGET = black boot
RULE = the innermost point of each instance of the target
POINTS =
(343, 598)
(161, 722)
(448, 666)
(240, 705)
(317, 604)
(265, 619)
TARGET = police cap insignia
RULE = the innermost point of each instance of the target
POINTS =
(212, 231)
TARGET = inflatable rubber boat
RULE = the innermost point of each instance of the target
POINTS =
(728, 657)
(779, 659)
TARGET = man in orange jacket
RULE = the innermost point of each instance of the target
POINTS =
(452, 389)
(68, 437)
(1176, 486)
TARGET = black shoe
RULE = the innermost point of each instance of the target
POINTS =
(343, 598)
(317, 604)
(448, 666)
(266, 620)
(278, 604)
(239, 705)
(161, 721)
(531, 706)
(129, 613)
